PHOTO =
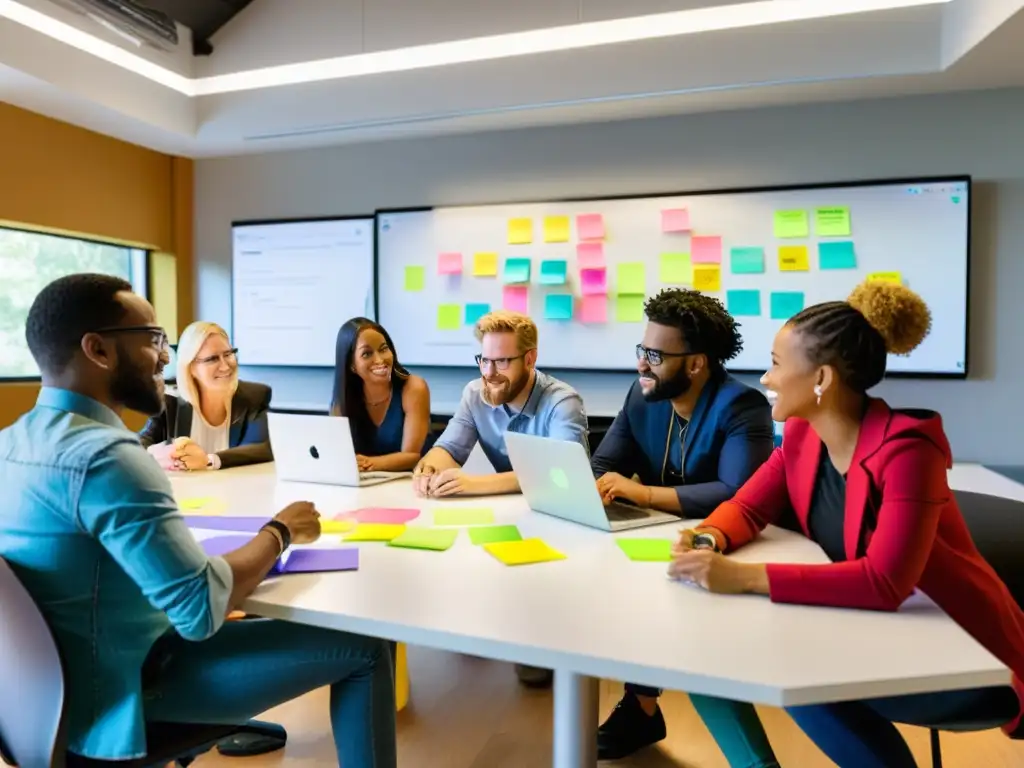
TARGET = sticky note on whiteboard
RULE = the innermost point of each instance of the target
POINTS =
(793, 258)
(475, 311)
(785, 304)
(520, 231)
(887, 277)
(449, 264)
(747, 261)
(558, 306)
(415, 278)
(449, 317)
(630, 279)
(515, 298)
(590, 255)
(743, 302)
(838, 254)
(707, 278)
(485, 264)
(556, 229)
(629, 309)
(791, 224)
(594, 309)
(517, 271)
(675, 220)
(552, 272)
(675, 269)
(590, 226)
(706, 249)
(832, 222)
(594, 282)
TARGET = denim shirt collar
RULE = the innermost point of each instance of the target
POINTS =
(73, 402)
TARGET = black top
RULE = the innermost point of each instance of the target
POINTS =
(827, 515)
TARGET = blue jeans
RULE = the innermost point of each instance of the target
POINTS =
(861, 734)
(251, 666)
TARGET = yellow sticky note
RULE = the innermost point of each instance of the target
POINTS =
(206, 505)
(629, 309)
(374, 532)
(329, 527)
(556, 229)
(630, 279)
(523, 552)
(485, 264)
(707, 278)
(887, 277)
(415, 278)
(449, 317)
(793, 258)
(791, 224)
(520, 231)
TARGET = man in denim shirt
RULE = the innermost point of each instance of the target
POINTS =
(89, 525)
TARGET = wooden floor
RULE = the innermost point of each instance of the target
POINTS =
(472, 713)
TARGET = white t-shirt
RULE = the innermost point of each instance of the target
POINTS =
(211, 439)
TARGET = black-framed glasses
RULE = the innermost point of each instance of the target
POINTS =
(657, 356)
(229, 357)
(500, 363)
(159, 335)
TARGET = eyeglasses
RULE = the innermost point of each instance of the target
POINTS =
(159, 335)
(500, 363)
(656, 356)
(228, 357)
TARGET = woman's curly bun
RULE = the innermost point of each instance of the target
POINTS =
(895, 311)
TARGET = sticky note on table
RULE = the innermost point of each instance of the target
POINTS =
(558, 306)
(520, 231)
(523, 552)
(743, 302)
(675, 269)
(449, 264)
(790, 224)
(449, 317)
(203, 505)
(415, 278)
(475, 311)
(552, 272)
(837, 254)
(706, 249)
(331, 527)
(425, 538)
(392, 516)
(707, 278)
(832, 222)
(629, 309)
(887, 277)
(590, 255)
(485, 264)
(590, 226)
(646, 550)
(594, 282)
(793, 258)
(463, 516)
(747, 261)
(785, 304)
(556, 229)
(515, 298)
(630, 280)
(517, 270)
(375, 532)
(492, 534)
(594, 309)
(675, 220)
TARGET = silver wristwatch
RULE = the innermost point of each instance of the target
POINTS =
(705, 541)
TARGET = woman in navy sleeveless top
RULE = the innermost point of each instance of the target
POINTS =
(388, 408)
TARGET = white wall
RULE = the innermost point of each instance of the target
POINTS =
(976, 133)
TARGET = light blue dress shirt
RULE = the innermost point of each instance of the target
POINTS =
(553, 409)
(89, 525)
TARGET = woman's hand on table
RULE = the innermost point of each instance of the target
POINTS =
(612, 486)
(164, 455)
(302, 520)
(191, 456)
(365, 463)
(715, 572)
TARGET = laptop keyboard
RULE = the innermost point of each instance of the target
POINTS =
(619, 512)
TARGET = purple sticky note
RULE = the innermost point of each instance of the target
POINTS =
(320, 561)
(380, 515)
(224, 523)
(706, 249)
(675, 220)
(590, 255)
(590, 226)
(449, 264)
(594, 282)
(515, 298)
(218, 546)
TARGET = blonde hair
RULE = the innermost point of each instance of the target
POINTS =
(189, 344)
(507, 321)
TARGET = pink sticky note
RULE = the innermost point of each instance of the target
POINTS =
(449, 264)
(675, 220)
(594, 309)
(590, 255)
(380, 515)
(594, 282)
(590, 226)
(706, 249)
(515, 298)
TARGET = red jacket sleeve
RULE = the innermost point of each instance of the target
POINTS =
(914, 490)
(759, 502)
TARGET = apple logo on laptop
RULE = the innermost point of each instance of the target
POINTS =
(314, 452)
(559, 478)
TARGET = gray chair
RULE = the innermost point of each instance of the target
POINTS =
(32, 704)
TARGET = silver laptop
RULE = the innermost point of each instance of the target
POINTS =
(556, 479)
(319, 449)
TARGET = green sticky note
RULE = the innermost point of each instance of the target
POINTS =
(415, 278)
(494, 533)
(449, 317)
(517, 271)
(675, 269)
(837, 255)
(558, 306)
(747, 261)
(629, 309)
(475, 311)
(791, 224)
(743, 302)
(646, 550)
(785, 304)
(832, 222)
(425, 538)
(630, 279)
(463, 516)
(552, 272)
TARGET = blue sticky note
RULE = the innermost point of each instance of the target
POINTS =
(475, 311)
(837, 255)
(747, 261)
(558, 306)
(745, 302)
(785, 304)
(517, 271)
(552, 272)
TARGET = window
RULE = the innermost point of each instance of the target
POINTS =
(31, 260)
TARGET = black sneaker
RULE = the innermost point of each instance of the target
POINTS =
(628, 729)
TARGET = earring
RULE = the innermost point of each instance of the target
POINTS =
(817, 393)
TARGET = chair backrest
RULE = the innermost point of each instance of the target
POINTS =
(31, 679)
(997, 527)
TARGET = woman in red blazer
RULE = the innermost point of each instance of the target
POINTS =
(867, 483)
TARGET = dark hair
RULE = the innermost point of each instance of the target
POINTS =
(855, 336)
(67, 309)
(348, 399)
(705, 324)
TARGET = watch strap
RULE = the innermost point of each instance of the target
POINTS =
(282, 531)
(704, 540)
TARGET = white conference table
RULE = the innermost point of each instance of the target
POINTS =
(599, 615)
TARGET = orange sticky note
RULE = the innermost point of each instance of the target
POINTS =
(523, 552)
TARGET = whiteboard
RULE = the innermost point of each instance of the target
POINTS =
(295, 283)
(779, 250)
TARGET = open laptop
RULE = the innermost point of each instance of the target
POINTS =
(319, 449)
(556, 479)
